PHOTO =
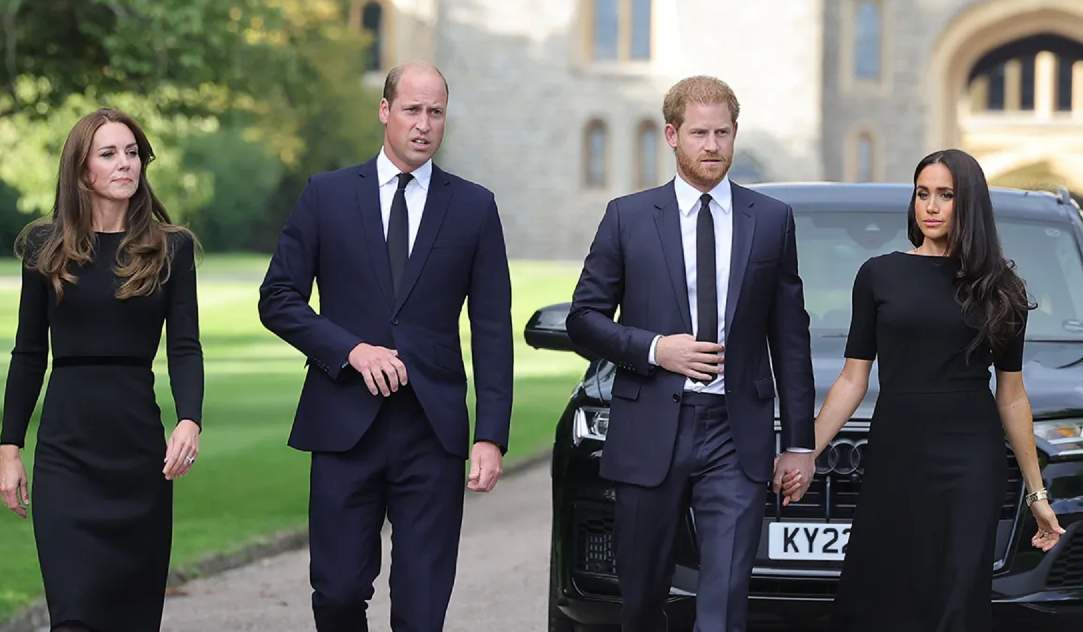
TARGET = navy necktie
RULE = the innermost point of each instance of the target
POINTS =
(706, 274)
(398, 233)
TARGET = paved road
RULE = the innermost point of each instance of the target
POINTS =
(501, 585)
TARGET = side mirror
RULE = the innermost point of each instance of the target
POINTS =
(546, 329)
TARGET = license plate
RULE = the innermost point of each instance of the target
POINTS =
(807, 540)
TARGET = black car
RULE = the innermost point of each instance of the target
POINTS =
(798, 562)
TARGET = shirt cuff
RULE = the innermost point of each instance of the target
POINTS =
(650, 355)
(799, 450)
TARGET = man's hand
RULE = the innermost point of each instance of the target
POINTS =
(485, 467)
(380, 367)
(793, 475)
(681, 353)
(13, 485)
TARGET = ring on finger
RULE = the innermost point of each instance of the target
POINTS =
(189, 459)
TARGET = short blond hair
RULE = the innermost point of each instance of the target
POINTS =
(698, 89)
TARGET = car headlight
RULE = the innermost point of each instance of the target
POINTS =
(590, 423)
(1060, 437)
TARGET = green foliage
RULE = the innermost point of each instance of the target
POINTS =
(11, 220)
(242, 99)
(243, 176)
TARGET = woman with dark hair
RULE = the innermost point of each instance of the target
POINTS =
(100, 276)
(921, 549)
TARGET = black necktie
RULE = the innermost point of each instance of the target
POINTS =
(398, 232)
(706, 272)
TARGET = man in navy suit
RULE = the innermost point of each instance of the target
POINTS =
(705, 275)
(396, 245)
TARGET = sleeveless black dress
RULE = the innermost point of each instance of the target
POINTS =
(102, 509)
(921, 548)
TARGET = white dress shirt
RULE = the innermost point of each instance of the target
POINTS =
(417, 192)
(688, 205)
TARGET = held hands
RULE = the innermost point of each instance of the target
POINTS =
(485, 467)
(1049, 529)
(380, 367)
(793, 475)
(681, 353)
(13, 483)
(181, 450)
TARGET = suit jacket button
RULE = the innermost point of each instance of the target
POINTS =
(395, 322)
(676, 397)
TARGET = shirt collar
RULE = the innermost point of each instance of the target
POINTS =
(386, 171)
(688, 195)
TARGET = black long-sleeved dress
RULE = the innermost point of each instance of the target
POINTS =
(102, 509)
(921, 549)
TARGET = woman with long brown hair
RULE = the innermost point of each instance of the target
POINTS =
(100, 276)
(936, 318)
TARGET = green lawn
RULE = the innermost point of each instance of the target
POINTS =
(248, 483)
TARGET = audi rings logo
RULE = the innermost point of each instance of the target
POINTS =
(843, 457)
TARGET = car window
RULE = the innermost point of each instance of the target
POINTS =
(833, 245)
(1047, 258)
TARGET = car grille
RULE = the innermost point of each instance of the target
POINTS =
(1068, 569)
(594, 538)
(834, 496)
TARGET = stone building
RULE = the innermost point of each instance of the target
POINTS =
(556, 104)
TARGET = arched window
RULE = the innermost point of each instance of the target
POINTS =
(372, 22)
(1033, 74)
(595, 149)
(868, 36)
(864, 157)
(647, 155)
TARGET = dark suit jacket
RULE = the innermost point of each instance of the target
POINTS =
(335, 236)
(637, 263)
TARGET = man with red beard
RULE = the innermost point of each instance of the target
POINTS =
(704, 272)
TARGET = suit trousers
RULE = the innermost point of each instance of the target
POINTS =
(398, 469)
(728, 510)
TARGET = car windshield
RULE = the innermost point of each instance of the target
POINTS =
(833, 245)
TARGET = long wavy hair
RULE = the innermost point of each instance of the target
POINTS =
(993, 297)
(58, 244)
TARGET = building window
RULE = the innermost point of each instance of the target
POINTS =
(1033, 75)
(620, 30)
(864, 157)
(641, 30)
(996, 87)
(1064, 83)
(1026, 83)
(647, 155)
(595, 148)
(372, 22)
(606, 30)
(868, 36)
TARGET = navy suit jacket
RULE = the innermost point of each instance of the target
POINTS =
(335, 236)
(637, 263)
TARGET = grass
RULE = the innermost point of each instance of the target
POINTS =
(248, 483)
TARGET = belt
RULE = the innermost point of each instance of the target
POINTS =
(693, 398)
(68, 361)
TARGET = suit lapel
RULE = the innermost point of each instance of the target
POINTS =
(667, 220)
(375, 244)
(744, 228)
(436, 205)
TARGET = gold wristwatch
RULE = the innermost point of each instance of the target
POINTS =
(1036, 495)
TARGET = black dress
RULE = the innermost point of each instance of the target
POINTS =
(102, 509)
(921, 548)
